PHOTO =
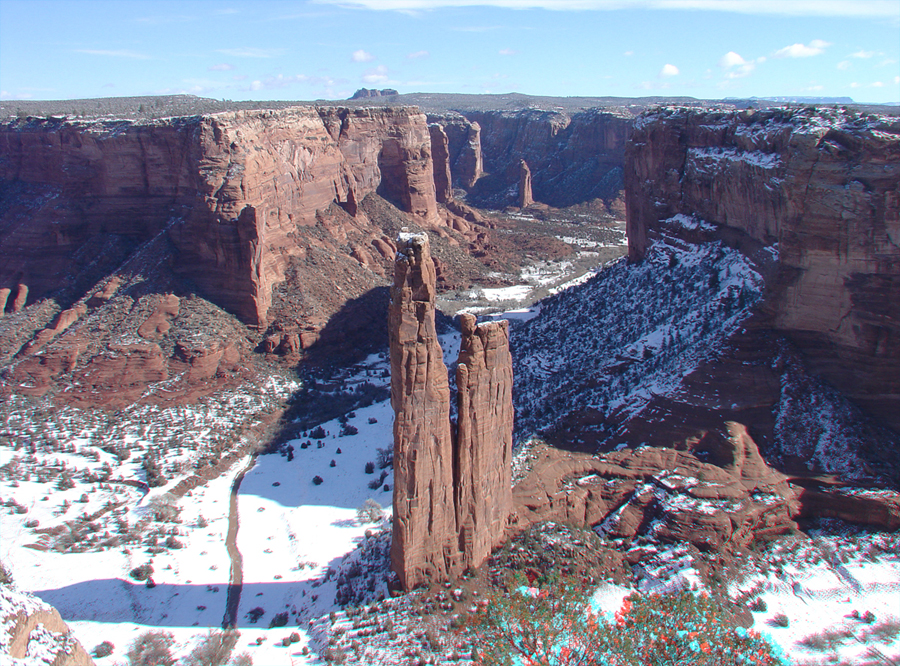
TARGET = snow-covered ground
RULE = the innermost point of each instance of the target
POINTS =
(301, 543)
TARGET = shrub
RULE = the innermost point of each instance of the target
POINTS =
(780, 620)
(317, 480)
(370, 468)
(279, 620)
(551, 627)
(385, 458)
(348, 430)
(255, 613)
(103, 650)
(152, 648)
(370, 511)
(333, 463)
(213, 649)
(242, 659)
(142, 572)
(318, 433)
(65, 481)
(758, 605)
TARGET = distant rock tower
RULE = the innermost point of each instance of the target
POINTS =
(451, 498)
(525, 198)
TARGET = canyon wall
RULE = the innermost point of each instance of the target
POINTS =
(234, 191)
(820, 189)
(452, 494)
(574, 157)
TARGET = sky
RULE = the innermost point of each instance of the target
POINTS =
(327, 49)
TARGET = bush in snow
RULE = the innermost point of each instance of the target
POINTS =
(370, 468)
(255, 613)
(385, 458)
(318, 433)
(6, 577)
(152, 648)
(213, 649)
(142, 572)
(347, 430)
(103, 650)
(552, 626)
(370, 511)
(317, 480)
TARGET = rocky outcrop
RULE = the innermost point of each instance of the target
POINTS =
(677, 497)
(484, 438)
(451, 494)
(424, 546)
(574, 157)
(820, 190)
(233, 191)
(440, 156)
(525, 197)
(35, 631)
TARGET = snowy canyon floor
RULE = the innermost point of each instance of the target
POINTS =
(83, 530)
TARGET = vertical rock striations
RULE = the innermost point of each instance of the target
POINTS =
(440, 156)
(451, 498)
(819, 188)
(525, 198)
(424, 534)
(484, 438)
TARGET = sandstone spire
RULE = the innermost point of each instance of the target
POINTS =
(451, 498)
(525, 198)
(484, 438)
(424, 533)
(440, 159)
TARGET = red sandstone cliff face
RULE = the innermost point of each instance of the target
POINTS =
(452, 495)
(822, 189)
(235, 192)
(573, 157)
(484, 438)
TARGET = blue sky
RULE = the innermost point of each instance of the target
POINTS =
(304, 50)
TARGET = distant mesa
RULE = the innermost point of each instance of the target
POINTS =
(364, 93)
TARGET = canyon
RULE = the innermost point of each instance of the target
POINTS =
(734, 379)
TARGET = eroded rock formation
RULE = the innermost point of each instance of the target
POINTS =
(451, 495)
(820, 189)
(525, 197)
(36, 628)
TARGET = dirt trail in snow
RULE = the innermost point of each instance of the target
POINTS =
(236, 580)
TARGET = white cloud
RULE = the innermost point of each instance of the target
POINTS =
(418, 54)
(362, 56)
(862, 54)
(115, 54)
(731, 59)
(628, 53)
(843, 65)
(736, 67)
(507, 52)
(762, 7)
(250, 52)
(377, 75)
(221, 67)
(814, 48)
(896, 80)
(668, 70)
(878, 84)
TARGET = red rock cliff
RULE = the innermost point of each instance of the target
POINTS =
(819, 188)
(233, 190)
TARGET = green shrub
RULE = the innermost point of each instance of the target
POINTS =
(552, 627)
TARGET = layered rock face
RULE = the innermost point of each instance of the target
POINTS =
(573, 157)
(424, 534)
(484, 438)
(233, 190)
(819, 188)
(451, 495)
